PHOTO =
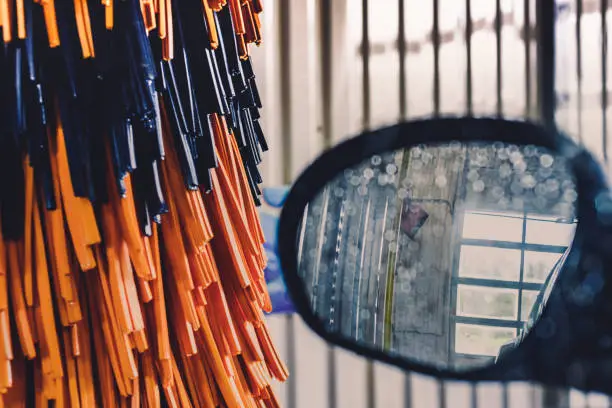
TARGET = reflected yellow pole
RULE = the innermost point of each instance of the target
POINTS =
(392, 259)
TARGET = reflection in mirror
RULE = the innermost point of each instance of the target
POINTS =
(443, 254)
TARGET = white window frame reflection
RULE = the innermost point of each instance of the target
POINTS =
(519, 285)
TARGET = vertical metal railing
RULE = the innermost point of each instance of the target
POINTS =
(578, 39)
(545, 25)
(539, 81)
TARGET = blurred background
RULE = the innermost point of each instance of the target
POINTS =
(329, 69)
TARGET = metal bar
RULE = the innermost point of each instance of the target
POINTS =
(401, 53)
(468, 51)
(474, 394)
(407, 391)
(441, 394)
(365, 60)
(285, 86)
(325, 38)
(498, 28)
(325, 33)
(514, 245)
(522, 270)
(483, 321)
(457, 229)
(477, 357)
(332, 390)
(527, 43)
(366, 121)
(545, 25)
(505, 397)
(291, 361)
(370, 385)
(499, 284)
(604, 78)
(579, 65)
(403, 114)
(285, 108)
(435, 39)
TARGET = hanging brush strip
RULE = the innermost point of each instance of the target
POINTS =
(132, 169)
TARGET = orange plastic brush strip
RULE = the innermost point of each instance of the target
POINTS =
(109, 337)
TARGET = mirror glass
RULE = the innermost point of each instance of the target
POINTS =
(439, 253)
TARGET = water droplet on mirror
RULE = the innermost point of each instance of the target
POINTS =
(541, 203)
(518, 204)
(528, 181)
(414, 246)
(441, 181)
(402, 193)
(497, 192)
(570, 195)
(376, 160)
(478, 186)
(350, 210)
(516, 188)
(516, 157)
(552, 185)
(530, 151)
(505, 170)
(497, 146)
(503, 203)
(362, 190)
(520, 167)
(391, 168)
(502, 153)
(546, 160)
(544, 173)
(368, 173)
(473, 175)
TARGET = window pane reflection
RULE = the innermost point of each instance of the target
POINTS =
(549, 233)
(483, 340)
(528, 299)
(538, 265)
(491, 226)
(489, 263)
(475, 301)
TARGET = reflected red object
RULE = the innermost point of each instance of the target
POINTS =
(413, 218)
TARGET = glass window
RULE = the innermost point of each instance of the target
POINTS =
(481, 340)
(527, 300)
(478, 301)
(538, 265)
(492, 245)
(489, 263)
(548, 232)
(493, 226)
